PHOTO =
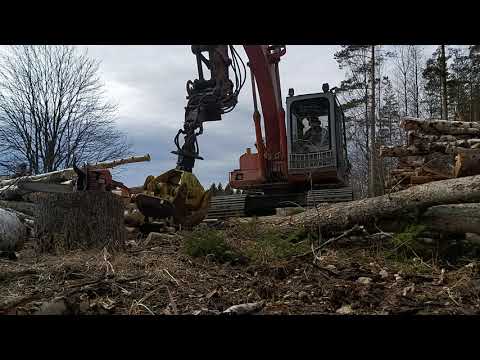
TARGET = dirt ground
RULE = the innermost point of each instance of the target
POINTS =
(159, 278)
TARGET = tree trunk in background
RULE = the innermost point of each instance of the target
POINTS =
(417, 92)
(443, 71)
(372, 149)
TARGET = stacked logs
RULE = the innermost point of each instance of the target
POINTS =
(435, 150)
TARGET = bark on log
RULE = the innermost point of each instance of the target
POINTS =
(12, 232)
(440, 127)
(86, 219)
(458, 218)
(467, 163)
(342, 216)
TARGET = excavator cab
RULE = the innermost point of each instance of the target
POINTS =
(316, 137)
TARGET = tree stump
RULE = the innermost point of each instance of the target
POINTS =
(80, 220)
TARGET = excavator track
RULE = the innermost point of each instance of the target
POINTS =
(329, 196)
(227, 206)
(243, 205)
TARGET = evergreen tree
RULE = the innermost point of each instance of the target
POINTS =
(213, 189)
(228, 190)
(389, 116)
(220, 189)
(432, 100)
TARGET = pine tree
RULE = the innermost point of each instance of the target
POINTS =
(213, 189)
(220, 189)
(432, 100)
(389, 115)
(228, 190)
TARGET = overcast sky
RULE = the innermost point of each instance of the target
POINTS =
(148, 84)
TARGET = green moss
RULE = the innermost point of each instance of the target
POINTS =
(406, 246)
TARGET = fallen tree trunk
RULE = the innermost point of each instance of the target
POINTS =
(467, 163)
(440, 127)
(457, 218)
(342, 216)
(12, 232)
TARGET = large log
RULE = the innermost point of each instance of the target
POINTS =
(457, 218)
(440, 127)
(366, 212)
(86, 219)
(12, 232)
(467, 163)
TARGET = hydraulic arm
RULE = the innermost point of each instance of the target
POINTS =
(209, 99)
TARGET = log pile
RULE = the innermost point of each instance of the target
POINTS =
(436, 150)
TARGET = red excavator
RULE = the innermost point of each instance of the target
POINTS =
(300, 161)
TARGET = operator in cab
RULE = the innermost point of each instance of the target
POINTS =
(316, 135)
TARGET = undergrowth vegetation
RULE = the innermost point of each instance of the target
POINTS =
(244, 241)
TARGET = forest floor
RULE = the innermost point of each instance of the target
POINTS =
(170, 274)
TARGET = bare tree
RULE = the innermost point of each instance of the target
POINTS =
(415, 53)
(443, 76)
(52, 110)
(402, 69)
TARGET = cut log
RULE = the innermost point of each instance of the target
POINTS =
(420, 149)
(466, 143)
(467, 163)
(416, 137)
(440, 127)
(343, 216)
(458, 218)
(86, 219)
(69, 174)
(11, 192)
(24, 207)
(439, 164)
(51, 177)
(12, 232)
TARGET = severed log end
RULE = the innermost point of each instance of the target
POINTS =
(467, 163)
